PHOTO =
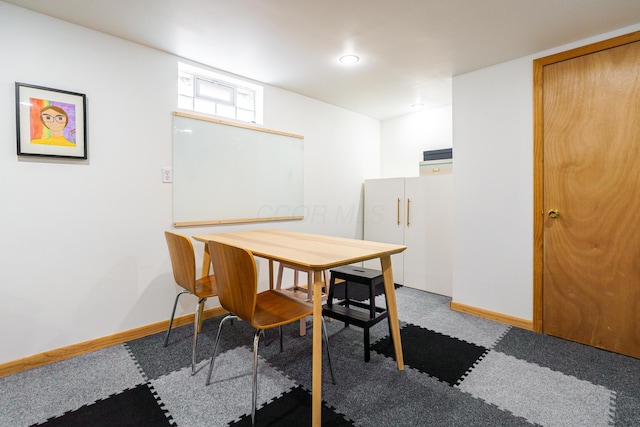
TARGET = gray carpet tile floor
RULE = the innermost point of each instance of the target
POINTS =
(460, 371)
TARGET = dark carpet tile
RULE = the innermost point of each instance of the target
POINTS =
(627, 414)
(438, 355)
(156, 360)
(428, 402)
(136, 407)
(614, 371)
(292, 409)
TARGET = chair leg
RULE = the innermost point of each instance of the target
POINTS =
(175, 305)
(279, 280)
(263, 336)
(303, 327)
(326, 282)
(280, 334)
(254, 392)
(215, 347)
(197, 322)
(303, 322)
(326, 343)
(367, 351)
(295, 280)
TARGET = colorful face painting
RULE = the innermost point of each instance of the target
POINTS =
(52, 123)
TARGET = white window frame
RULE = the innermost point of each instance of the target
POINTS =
(224, 109)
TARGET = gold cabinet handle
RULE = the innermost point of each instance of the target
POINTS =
(553, 213)
(408, 204)
(398, 210)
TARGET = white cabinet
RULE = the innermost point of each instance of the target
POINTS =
(416, 212)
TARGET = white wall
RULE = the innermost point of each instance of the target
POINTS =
(81, 242)
(493, 184)
(404, 139)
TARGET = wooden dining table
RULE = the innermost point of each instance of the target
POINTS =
(316, 253)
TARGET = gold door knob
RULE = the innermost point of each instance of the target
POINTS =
(553, 213)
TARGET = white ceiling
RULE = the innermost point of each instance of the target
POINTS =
(409, 49)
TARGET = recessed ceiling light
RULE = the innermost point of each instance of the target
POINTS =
(349, 59)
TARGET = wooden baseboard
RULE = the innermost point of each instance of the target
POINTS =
(58, 354)
(492, 315)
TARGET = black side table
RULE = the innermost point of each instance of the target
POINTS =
(358, 313)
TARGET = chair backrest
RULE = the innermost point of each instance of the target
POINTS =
(236, 275)
(183, 260)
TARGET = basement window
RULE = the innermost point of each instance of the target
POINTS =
(204, 91)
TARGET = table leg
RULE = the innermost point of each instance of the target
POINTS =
(206, 261)
(392, 308)
(316, 391)
(271, 274)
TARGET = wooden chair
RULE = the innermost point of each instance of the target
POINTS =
(235, 270)
(183, 262)
(301, 291)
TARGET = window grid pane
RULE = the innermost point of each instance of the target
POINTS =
(204, 106)
(246, 115)
(226, 99)
(185, 102)
(227, 111)
(215, 91)
(185, 84)
(246, 99)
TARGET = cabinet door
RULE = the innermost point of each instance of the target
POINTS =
(428, 234)
(384, 218)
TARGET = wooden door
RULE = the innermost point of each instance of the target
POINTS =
(591, 174)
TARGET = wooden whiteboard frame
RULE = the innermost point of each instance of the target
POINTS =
(235, 124)
(181, 223)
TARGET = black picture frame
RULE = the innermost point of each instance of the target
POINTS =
(50, 122)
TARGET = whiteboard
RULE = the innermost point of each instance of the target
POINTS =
(225, 172)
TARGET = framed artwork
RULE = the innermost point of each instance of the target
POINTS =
(50, 122)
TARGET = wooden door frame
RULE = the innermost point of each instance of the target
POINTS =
(538, 156)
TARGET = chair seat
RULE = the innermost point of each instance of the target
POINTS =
(206, 287)
(274, 308)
